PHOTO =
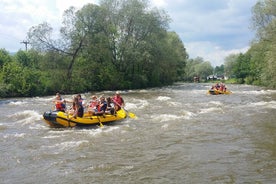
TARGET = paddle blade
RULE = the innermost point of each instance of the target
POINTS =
(121, 114)
(132, 115)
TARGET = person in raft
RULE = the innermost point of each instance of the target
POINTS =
(60, 103)
(77, 108)
(118, 101)
(81, 100)
(101, 108)
(110, 106)
(93, 105)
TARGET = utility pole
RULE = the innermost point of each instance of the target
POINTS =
(26, 44)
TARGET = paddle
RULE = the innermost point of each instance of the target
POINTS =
(130, 114)
(121, 114)
(101, 125)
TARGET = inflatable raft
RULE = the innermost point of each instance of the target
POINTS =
(59, 119)
(218, 92)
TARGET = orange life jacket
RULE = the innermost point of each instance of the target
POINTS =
(60, 106)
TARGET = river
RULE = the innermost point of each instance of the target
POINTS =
(181, 135)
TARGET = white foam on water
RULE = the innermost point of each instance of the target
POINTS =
(38, 126)
(165, 126)
(26, 116)
(270, 104)
(111, 129)
(256, 92)
(130, 106)
(49, 99)
(20, 135)
(59, 133)
(187, 114)
(51, 137)
(65, 145)
(139, 104)
(62, 132)
(271, 91)
(100, 131)
(163, 98)
(143, 91)
(211, 109)
(15, 135)
(199, 91)
(90, 132)
(165, 117)
(216, 103)
(26, 113)
(17, 103)
(93, 132)
(174, 104)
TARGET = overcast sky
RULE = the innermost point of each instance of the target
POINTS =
(211, 29)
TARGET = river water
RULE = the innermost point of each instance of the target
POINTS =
(181, 135)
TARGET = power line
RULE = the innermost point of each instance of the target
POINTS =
(26, 44)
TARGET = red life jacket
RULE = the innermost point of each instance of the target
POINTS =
(99, 108)
(93, 104)
(118, 100)
(59, 106)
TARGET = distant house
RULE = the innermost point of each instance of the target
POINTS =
(220, 77)
(211, 77)
(215, 77)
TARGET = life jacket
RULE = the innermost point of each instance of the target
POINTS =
(118, 100)
(98, 108)
(102, 107)
(60, 106)
(93, 104)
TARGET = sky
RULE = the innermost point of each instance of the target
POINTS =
(210, 29)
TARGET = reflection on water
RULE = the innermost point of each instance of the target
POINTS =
(181, 135)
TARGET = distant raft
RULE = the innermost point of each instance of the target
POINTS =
(218, 92)
(60, 119)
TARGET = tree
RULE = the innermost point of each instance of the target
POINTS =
(241, 67)
(198, 68)
(23, 58)
(203, 69)
(229, 64)
(115, 45)
(70, 44)
(4, 57)
(136, 40)
(264, 22)
(179, 55)
(219, 70)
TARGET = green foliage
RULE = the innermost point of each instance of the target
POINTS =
(229, 64)
(204, 69)
(19, 80)
(241, 67)
(219, 70)
(114, 45)
(198, 68)
(4, 57)
(258, 65)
